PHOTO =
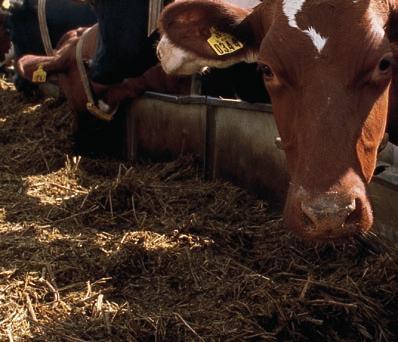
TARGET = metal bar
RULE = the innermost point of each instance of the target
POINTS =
(155, 7)
(192, 99)
(208, 100)
(45, 35)
(196, 85)
(210, 138)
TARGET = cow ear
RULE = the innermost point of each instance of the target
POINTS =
(210, 29)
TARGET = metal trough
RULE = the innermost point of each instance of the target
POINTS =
(163, 127)
(236, 141)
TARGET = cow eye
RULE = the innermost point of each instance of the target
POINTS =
(267, 71)
(383, 70)
(385, 64)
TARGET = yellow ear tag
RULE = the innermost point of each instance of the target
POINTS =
(39, 76)
(223, 43)
(6, 4)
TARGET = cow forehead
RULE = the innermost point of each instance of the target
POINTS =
(328, 11)
(305, 31)
(290, 10)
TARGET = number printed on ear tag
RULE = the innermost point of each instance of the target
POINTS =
(39, 76)
(223, 43)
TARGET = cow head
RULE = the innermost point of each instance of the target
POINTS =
(327, 65)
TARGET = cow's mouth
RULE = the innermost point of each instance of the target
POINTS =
(346, 230)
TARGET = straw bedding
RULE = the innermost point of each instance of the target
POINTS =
(97, 250)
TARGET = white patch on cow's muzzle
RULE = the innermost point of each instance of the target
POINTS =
(175, 60)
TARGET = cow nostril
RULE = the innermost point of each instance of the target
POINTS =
(355, 216)
(307, 223)
(351, 207)
(325, 215)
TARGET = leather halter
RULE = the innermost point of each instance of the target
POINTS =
(46, 40)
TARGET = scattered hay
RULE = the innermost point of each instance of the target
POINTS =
(95, 250)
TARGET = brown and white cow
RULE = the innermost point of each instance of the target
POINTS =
(62, 65)
(327, 65)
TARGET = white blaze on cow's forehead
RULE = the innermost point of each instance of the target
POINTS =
(290, 9)
(318, 41)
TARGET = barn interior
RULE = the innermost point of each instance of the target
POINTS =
(148, 228)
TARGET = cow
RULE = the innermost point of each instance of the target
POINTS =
(116, 49)
(24, 30)
(63, 64)
(328, 66)
(91, 136)
(117, 52)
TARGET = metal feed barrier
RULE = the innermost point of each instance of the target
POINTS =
(236, 141)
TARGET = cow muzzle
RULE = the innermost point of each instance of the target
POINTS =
(329, 216)
(328, 212)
